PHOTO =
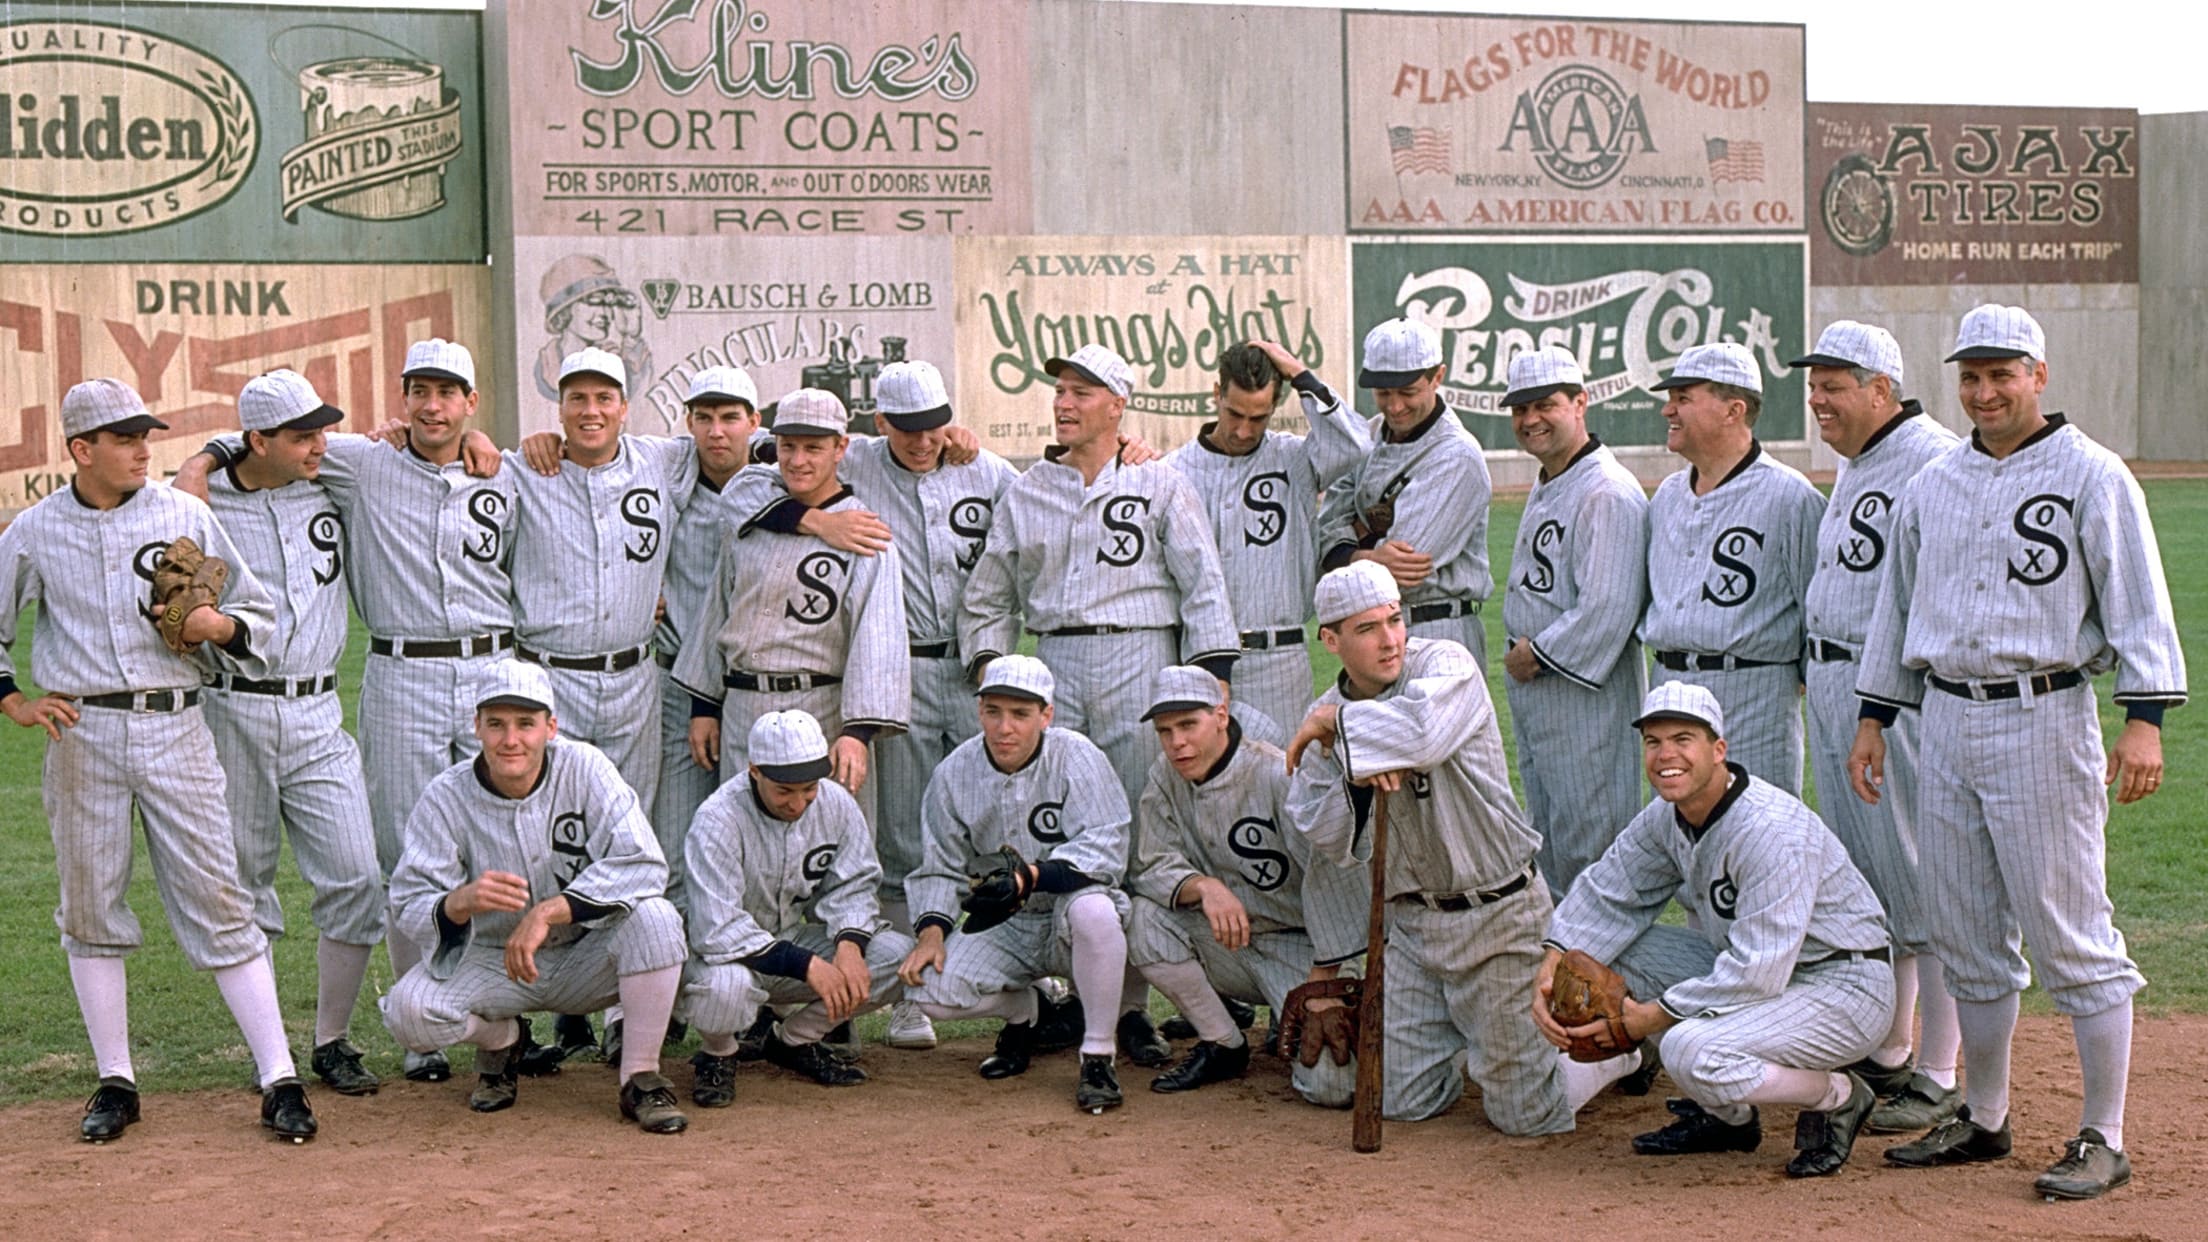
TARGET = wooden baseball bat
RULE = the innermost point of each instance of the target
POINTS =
(1372, 1015)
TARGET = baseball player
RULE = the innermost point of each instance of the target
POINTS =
(1261, 488)
(2019, 566)
(533, 873)
(1732, 540)
(125, 731)
(1418, 505)
(1785, 978)
(1578, 581)
(1048, 794)
(1411, 716)
(1222, 881)
(1855, 378)
(281, 738)
(783, 881)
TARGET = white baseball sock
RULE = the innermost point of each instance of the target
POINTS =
(249, 988)
(723, 1045)
(2104, 1056)
(1099, 968)
(338, 970)
(1584, 1080)
(1017, 1007)
(491, 1034)
(1987, 1027)
(1190, 990)
(1134, 991)
(103, 997)
(1821, 1090)
(1941, 1039)
(647, 1001)
(1893, 1050)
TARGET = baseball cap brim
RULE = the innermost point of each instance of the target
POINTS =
(131, 426)
(1178, 705)
(1055, 365)
(696, 397)
(1527, 396)
(1824, 360)
(1010, 692)
(1671, 714)
(614, 380)
(804, 429)
(796, 773)
(917, 420)
(1369, 378)
(513, 700)
(1984, 352)
(321, 416)
(438, 373)
(1679, 381)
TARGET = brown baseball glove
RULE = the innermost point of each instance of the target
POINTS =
(185, 580)
(1587, 991)
(1306, 1033)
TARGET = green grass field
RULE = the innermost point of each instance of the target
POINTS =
(182, 1037)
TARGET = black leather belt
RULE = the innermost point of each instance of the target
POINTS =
(780, 683)
(441, 648)
(1995, 691)
(1086, 631)
(278, 686)
(144, 701)
(1700, 662)
(613, 662)
(1450, 903)
(1266, 640)
(1880, 954)
(1421, 613)
(1826, 652)
(934, 651)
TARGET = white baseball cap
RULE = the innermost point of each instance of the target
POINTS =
(910, 396)
(1098, 365)
(595, 361)
(283, 400)
(438, 358)
(105, 405)
(788, 748)
(724, 383)
(1726, 362)
(507, 682)
(1397, 353)
(811, 412)
(1536, 373)
(1846, 343)
(1345, 592)
(1682, 700)
(1184, 688)
(1994, 331)
(1018, 677)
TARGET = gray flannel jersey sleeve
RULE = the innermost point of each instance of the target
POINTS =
(1319, 806)
(1446, 509)
(1192, 557)
(989, 612)
(245, 599)
(1434, 717)
(626, 865)
(2125, 562)
(432, 865)
(700, 666)
(938, 884)
(1882, 678)
(675, 460)
(1096, 820)
(1620, 894)
(1777, 893)
(1336, 901)
(877, 674)
(722, 930)
(19, 585)
(1160, 863)
(1610, 563)
(1803, 517)
(1340, 439)
(847, 900)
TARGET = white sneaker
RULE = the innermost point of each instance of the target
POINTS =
(910, 1028)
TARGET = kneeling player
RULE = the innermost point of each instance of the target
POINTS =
(782, 880)
(1042, 804)
(533, 879)
(1789, 978)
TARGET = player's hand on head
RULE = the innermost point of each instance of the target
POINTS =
(541, 452)
(51, 712)
(848, 530)
(847, 763)
(1284, 362)
(2135, 761)
(1867, 761)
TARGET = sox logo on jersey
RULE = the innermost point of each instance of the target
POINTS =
(570, 835)
(2035, 523)
(1262, 496)
(818, 603)
(1042, 823)
(1122, 517)
(816, 864)
(1251, 839)
(970, 521)
(486, 509)
(326, 532)
(1736, 578)
(1541, 579)
(1866, 548)
(640, 508)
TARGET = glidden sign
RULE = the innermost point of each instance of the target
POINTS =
(105, 129)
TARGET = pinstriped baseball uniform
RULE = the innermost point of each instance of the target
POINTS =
(580, 833)
(1577, 584)
(1726, 576)
(1459, 980)
(1063, 804)
(1776, 973)
(683, 785)
(2041, 562)
(1264, 523)
(90, 572)
(590, 555)
(1851, 553)
(756, 879)
(1131, 552)
(1234, 826)
(287, 757)
(1430, 490)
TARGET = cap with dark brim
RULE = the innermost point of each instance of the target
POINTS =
(1823, 360)
(1055, 365)
(315, 419)
(918, 420)
(804, 429)
(1669, 715)
(796, 773)
(1178, 705)
(1527, 396)
(1012, 692)
(696, 397)
(134, 425)
(1369, 378)
(1980, 353)
(436, 373)
(614, 380)
(513, 700)
(1679, 381)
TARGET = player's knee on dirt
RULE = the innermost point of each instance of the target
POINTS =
(1326, 1084)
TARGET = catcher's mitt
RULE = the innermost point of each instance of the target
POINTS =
(1305, 1033)
(185, 580)
(1587, 991)
(998, 895)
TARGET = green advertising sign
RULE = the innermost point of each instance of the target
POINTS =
(1626, 309)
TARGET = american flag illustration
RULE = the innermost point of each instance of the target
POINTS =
(1420, 149)
(1734, 160)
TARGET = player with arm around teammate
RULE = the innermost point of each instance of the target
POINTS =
(783, 912)
(2022, 564)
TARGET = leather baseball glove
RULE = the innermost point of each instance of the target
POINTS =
(185, 580)
(999, 894)
(1587, 991)
(1306, 1033)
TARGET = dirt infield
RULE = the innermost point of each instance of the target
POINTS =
(928, 1150)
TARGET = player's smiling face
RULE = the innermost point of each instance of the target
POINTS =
(1243, 418)
(1403, 409)
(723, 432)
(1011, 728)
(1084, 411)
(1683, 759)
(1370, 646)
(1695, 419)
(1554, 426)
(592, 410)
(2001, 395)
(917, 451)
(808, 465)
(514, 739)
(785, 802)
(1192, 740)
(1847, 412)
(437, 411)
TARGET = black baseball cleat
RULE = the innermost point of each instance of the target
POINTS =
(715, 1084)
(649, 1100)
(1140, 1042)
(1958, 1140)
(2089, 1168)
(572, 1032)
(1207, 1062)
(338, 1064)
(1697, 1132)
(284, 1109)
(1099, 1087)
(1884, 1080)
(1640, 1081)
(112, 1108)
(609, 1048)
(752, 1044)
(814, 1061)
(426, 1067)
(842, 1041)
(496, 1083)
(1823, 1141)
(1015, 1048)
(1059, 1024)
(532, 1059)
(677, 1031)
